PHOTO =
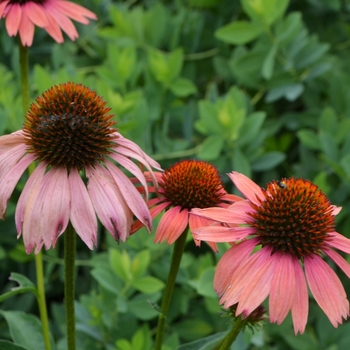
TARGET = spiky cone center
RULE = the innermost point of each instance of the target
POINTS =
(192, 184)
(295, 217)
(69, 126)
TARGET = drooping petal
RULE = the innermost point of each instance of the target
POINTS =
(9, 181)
(3, 5)
(53, 203)
(283, 285)
(13, 19)
(82, 213)
(131, 196)
(247, 187)
(9, 158)
(26, 30)
(8, 142)
(74, 11)
(35, 13)
(30, 189)
(340, 242)
(54, 29)
(222, 234)
(330, 296)
(300, 306)
(109, 205)
(229, 263)
(339, 260)
(172, 225)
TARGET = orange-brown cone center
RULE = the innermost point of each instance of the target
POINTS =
(192, 184)
(295, 217)
(69, 126)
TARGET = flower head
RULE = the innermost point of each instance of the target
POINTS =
(68, 131)
(52, 15)
(294, 223)
(186, 185)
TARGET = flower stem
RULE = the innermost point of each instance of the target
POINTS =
(69, 285)
(23, 63)
(179, 247)
(41, 299)
(232, 334)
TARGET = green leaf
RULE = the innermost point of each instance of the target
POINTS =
(266, 11)
(328, 121)
(241, 163)
(329, 145)
(191, 329)
(140, 263)
(159, 65)
(183, 87)
(211, 148)
(42, 78)
(120, 264)
(269, 62)
(207, 343)
(205, 283)
(309, 139)
(268, 161)
(208, 123)
(6, 345)
(291, 92)
(251, 127)
(25, 285)
(107, 279)
(142, 339)
(148, 284)
(25, 329)
(142, 307)
(238, 33)
(176, 59)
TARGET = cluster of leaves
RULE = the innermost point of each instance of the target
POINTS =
(257, 86)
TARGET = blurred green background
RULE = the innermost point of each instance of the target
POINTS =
(257, 86)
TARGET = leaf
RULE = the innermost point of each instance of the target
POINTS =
(207, 343)
(6, 345)
(25, 285)
(329, 145)
(183, 87)
(238, 33)
(269, 62)
(25, 329)
(251, 127)
(140, 263)
(240, 163)
(107, 279)
(120, 264)
(205, 283)
(268, 161)
(309, 139)
(148, 284)
(211, 148)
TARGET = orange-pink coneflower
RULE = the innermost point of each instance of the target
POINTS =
(69, 132)
(52, 15)
(294, 223)
(186, 185)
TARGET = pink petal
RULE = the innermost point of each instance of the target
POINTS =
(300, 306)
(82, 214)
(131, 196)
(109, 204)
(222, 233)
(13, 19)
(3, 5)
(283, 287)
(35, 13)
(74, 11)
(258, 286)
(54, 29)
(62, 20)
(196, 222)
(53, 205)
(9, 181)
(340, 242)
(247, 187)
(339, 260)
(26, 30)
(30, 189)
(326, 289)
(8, 142)
(229, 263)
(9, 158)
(172, 225)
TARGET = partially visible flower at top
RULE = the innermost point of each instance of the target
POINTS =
(186, 185)
(52, 15)
(69, 132)
(294, 223)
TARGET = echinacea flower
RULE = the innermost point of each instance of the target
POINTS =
(294, 223)
(52, 15)
(69, 132)
(186, 185)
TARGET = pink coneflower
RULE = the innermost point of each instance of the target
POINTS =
(52, 15)
(294, 223)
(69, 132)
(186, 185)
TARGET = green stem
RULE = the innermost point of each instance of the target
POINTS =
(179, 247)
(41, 299)
(24, 68)
(69, 285)
(232, 334)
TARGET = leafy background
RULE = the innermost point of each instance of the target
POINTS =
(256, 86)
